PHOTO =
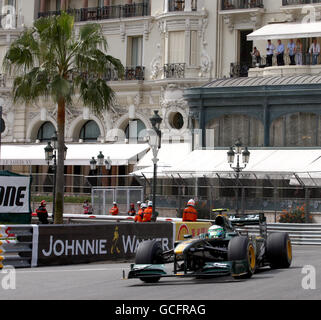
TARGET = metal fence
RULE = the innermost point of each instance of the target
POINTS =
(300, 234)
(102, 198)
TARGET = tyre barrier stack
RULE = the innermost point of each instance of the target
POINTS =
(300, 233)
(16, 246)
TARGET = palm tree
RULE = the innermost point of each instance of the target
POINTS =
(49, 61)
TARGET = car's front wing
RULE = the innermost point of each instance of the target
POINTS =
(211, 269)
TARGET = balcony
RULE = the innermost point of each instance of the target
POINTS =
(174, 71)
(179, 5)
(303, 65)
(104, 13)
(130, 73)
(299, 2)
(241, 4)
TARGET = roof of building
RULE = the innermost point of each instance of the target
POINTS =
(264, 81)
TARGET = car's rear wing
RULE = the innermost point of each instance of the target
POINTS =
(247, 219)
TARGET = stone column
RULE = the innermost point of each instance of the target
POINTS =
(85, 4)
(42, 6)
(165, 6)
(188, 5)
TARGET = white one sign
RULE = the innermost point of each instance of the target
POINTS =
(14, 194)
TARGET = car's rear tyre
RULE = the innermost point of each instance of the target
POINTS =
(241, 248)
(149, 252)
(279, 250)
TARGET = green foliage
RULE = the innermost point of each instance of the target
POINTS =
(67, 199)
(295, 215)
(50, 61)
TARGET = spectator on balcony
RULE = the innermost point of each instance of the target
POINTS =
(280, 53)
(256, 57)
(298, 52)
(315, 51)
(269, 53)
(291, 52)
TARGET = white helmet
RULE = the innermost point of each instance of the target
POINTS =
(216, 232)
(114, 202)
(191, 203)
(143, 205)
(150, 203)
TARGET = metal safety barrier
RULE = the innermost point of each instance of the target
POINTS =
(16, 245)
(300, 234)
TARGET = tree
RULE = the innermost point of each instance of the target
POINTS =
(49, 61)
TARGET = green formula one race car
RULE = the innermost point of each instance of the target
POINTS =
(223, 251)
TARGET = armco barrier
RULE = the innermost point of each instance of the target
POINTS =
(300, 234)
(72, 244)
(45, 245)
(16, 244)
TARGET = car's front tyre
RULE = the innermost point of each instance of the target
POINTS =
(241, 248)
(149, 252)
(279, 250)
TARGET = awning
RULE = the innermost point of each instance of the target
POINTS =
(286, 31)
(263, 162)
(168, 156)
(78, 154)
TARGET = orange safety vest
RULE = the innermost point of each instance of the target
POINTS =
(139, 215)
(114, 211)
(148, 212)
(190, 214)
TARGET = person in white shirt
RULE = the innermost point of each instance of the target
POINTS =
(298, 52)
(269, 53)
(291, 52)
(315, 51)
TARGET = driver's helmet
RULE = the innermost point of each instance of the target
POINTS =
(216, 232)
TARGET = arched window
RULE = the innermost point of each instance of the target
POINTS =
(134, 128)
(45, 132)
(90, 132)
(296, 130)
(224, 131)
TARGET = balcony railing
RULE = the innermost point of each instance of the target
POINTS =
(305, 59)
(130, 73)
(102, 13)
(299, 2)
(179, 5)
(174, 70)
(241, 4)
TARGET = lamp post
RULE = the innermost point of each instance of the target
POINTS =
(51, 155)
(155, 120)
(100, 162)
(237, 150)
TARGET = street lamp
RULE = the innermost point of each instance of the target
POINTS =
(156, 121)
(237, 150)
(100, 162)
(51, 155)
